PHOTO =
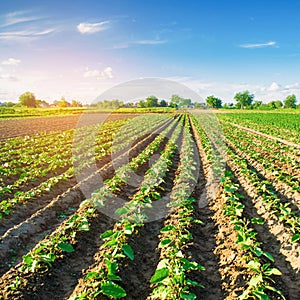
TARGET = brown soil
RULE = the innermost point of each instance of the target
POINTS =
(28, 126)
(267, 136)
(274, 237)
(204, 236)
(136, 274)
(64, 273)
(288, 194)
(213, 246)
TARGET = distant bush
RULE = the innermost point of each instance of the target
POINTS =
(7, 110)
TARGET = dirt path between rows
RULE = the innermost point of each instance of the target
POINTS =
(44, 217)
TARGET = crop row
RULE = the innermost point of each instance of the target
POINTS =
(284, 126)
(103, 277)
(260, 280)
(170, 280)
(269, 195)
(238, 140)
(286, 165)
(86, 158)
(42, 256)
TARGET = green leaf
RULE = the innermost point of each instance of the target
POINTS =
(47, 257)
(66, 247)
(111, 289)
(271, 288)
(240, 196)
(261, 295)
(121, 211)
(189, 296)
(110, 243)
(91, 275)
(111, 267)
(84, 226)
(191, 265)
(254, 265)
(106, 234)
(255, 280)
(165, 242)
(268, 255)
(129, 229)
(273, 271)
(128, 251)
(194, 283)
(168, 228)
(295, 237)
(28, 259)
(159, 275)
(114, 277)
(259, 221)
(156, 195)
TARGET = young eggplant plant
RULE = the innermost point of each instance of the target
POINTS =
(63, 240)
(170, 280)
(103, 278)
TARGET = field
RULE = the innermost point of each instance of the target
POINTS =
(150, 206)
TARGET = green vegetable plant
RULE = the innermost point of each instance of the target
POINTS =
(103, 279)
(170, 280)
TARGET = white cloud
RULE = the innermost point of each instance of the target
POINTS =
(25, 34)
(150, 42)
(11, 62)
(274, 87)
(92, 73)
(29, 31)
(88, 28)
(106, 73)
(17, 17)
(294, 86)
(262, 45)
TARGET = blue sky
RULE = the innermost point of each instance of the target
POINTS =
(78, 49)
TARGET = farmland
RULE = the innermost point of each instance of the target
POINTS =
(154, 206)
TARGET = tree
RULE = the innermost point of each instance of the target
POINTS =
(151, 101)
(141, 103)
(290, 101)
(278, 104)
(275, 104)
(175, 101)
(163, 103)
(229, 106)
(63, 102)
(198, 105)
(27, 99)
(272, 104)
(10, 104)
(244, 99)
(41, 103)
(214, 102)
(256, 104)
(75, 103)
(185, 102)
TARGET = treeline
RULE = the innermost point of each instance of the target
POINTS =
(152, 101)
(245, 100)
(28, 99)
